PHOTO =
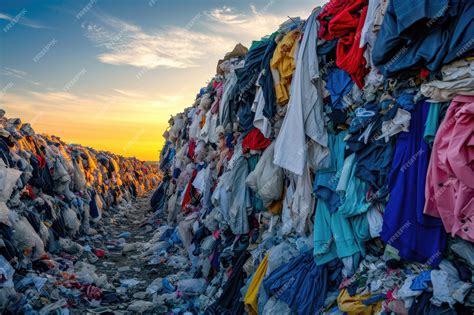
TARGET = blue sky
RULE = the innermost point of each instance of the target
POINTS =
(110, 73)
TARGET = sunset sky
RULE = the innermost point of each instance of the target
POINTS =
(109, 74)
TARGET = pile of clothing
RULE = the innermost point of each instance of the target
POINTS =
(52, 193)
(330, 168)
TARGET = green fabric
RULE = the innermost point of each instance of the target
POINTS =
(263, 39)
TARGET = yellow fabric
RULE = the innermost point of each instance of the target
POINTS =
(251, 297)
(353, 305)
(275, 207)
(283, 61)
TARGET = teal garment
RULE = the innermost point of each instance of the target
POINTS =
(333, 233)
(354, 206)
(435, 116)
(257, 203)
(326, 180)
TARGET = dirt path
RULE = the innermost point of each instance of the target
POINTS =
(127, 273)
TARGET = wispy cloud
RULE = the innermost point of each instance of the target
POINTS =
(214, 33)
(13, 73)
(130, 93)
(21, 19)
(173, 47)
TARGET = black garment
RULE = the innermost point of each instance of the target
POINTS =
(244, 95)
(229, 302)
(423, 306)
(266, 82)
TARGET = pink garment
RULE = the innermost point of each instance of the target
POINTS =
(219, 87)
(449, 187)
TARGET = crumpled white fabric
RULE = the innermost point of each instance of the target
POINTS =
(303, 202)
(305, 107)
(260, 121)
(405, 293)
(208, 131)
(399, 123)
(199, 180)
(267, 178)
(194, 129)
(287, 224)
(375, 219)
(458, 79)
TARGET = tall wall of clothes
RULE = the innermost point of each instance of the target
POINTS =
(329, 167)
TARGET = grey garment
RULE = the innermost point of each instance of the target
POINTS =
(305, 107)
(447, 287)
(227, 94)
(310, 84)
(465, 250)
(221, 195)
(208, 183)
(239, 198)
(458, 78)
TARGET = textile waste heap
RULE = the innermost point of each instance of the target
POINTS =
(51, 194)
(329, 168)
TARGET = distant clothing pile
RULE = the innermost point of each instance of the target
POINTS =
(330, 168)
(51, 193)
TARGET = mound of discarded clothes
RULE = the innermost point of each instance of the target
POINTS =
(52, 193)
(329, 169)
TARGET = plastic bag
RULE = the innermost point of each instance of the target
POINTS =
(8, 179)
(155, 286)
(26, 239)
(267, 178)
(71, 221)
(192, 286)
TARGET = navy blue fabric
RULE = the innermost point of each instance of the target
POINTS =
(246, 79)
(423, 306)
(93, 208)
(373, 163)
(338, 84)
(230, 300)
(374, 299)
(424, 33)
(266, 82)
(167, 156)
(158, 198)
(5, 153)
(302, 284)
(418, 237)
